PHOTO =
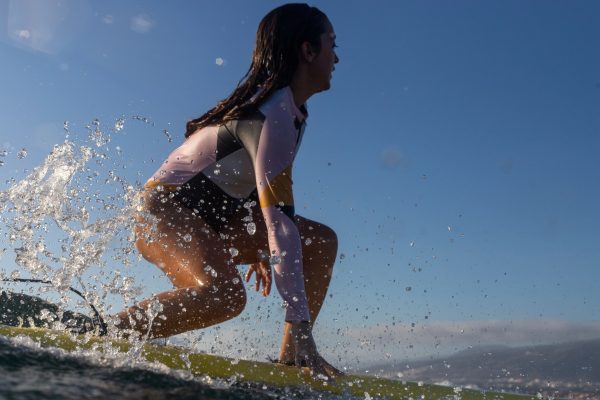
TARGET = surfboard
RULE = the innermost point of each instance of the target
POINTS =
(20, 316)
(274, 375)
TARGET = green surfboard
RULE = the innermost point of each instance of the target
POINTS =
(27, 316)
(269, 374)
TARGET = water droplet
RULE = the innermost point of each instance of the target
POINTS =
(294, 298)
(220, 62)
(187, 237)
(22, 153)
(1, 163)
(233, 251)
(274, 260)
(168, 135)
(143, 119)
(217, 171)
(308, 241)
(119, 124)
(342, 256)
(97, 136)
(408, 288)
(3, 153)
(412, 244)
(235, 281)
(251, 228)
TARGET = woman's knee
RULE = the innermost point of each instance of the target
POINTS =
(329, 237)
(316, 231)
(236, 296)
(231, 294)
(227, 301)
(325, 238)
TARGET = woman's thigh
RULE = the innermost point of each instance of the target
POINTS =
(250, 244)
(182, 245)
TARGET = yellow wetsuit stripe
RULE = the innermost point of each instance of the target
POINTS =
(278, 191)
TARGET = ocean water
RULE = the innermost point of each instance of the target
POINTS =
(27, 372)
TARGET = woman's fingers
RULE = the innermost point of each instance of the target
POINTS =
(266, 274)
(264, 270)
(316, 364)
(263, 277)
(249, 273)
(251, 270)
(319, 368)
(306, 351)
(333, 371)
(267, 287)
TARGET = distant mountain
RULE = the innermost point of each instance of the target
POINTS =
(562, 370)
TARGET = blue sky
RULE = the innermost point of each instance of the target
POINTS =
(456, 154)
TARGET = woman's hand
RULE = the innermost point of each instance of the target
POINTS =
(307, 354)
(262, 269)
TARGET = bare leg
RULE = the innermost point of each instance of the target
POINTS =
(209, 289)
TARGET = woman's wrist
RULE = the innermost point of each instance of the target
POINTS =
(297, 322)
(299, 327)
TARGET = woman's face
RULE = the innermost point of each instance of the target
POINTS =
(324, 62)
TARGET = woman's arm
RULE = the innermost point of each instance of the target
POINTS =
(273, 170)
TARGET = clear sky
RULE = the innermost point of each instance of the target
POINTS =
(456, 154)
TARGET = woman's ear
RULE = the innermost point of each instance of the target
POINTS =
(307, 52)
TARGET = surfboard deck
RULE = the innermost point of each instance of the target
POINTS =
(269, 374)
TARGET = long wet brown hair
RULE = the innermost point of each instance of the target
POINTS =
(274, 61)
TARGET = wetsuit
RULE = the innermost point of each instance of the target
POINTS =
(220, 169)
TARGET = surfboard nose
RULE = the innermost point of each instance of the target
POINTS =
(22, 310)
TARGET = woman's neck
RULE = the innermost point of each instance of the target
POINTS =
(300, 88)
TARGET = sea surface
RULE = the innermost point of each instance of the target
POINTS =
(27, 372)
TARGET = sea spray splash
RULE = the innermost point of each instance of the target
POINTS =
(43, 195)
(72, 213)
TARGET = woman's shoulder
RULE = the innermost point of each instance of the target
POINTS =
(280, 104)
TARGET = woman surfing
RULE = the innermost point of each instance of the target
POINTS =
(224, 198)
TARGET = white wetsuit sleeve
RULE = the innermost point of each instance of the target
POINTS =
(273, 169)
